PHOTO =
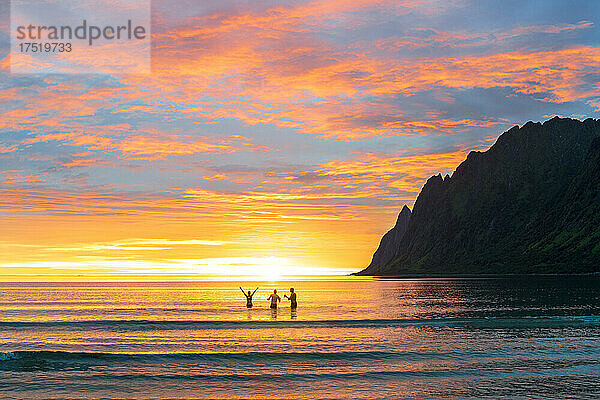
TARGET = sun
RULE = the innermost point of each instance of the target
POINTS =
(273, 268)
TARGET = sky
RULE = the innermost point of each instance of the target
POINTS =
(272, 138)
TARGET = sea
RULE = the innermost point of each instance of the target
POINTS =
(535, 337)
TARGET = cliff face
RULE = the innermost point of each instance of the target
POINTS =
(529, 204)
(386, 252)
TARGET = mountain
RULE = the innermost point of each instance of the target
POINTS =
(529, 204)
(390, 242)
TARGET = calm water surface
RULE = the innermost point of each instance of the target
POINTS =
(513, 338)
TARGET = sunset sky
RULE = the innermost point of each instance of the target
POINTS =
(272, 138)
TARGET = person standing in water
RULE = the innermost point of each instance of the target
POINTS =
(274, 297)
(292, 299)
(248, 297)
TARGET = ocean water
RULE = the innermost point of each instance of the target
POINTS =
(355, 338)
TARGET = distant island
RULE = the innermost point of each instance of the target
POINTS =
(528, 205)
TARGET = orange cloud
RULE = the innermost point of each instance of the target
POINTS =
(8, 149)
(17, 177)
(152, 148)
(327, 95)
(265, 68)
(85, 163)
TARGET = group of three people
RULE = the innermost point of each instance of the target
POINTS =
(274, 297)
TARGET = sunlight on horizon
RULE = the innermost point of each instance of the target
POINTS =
(248, 268)
(171, 256)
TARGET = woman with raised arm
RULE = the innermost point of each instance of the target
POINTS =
(248, 297)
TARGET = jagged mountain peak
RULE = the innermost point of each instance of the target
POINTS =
(503, 209)
(389, 242)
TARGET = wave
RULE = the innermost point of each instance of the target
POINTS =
(83, 361)
(294, 365)
(9, 355)
(268, 356)
(473, 323)
(209, 356)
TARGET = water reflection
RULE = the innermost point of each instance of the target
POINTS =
(488, 297)
(321, 300)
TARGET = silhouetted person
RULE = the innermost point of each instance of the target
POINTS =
(274, 297)
(248, 297)
(292, 298)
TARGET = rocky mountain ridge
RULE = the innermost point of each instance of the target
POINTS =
(529, 204)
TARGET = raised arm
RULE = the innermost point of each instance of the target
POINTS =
(254, 291)
(243, 291)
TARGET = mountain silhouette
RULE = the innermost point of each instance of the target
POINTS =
(529, 204)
